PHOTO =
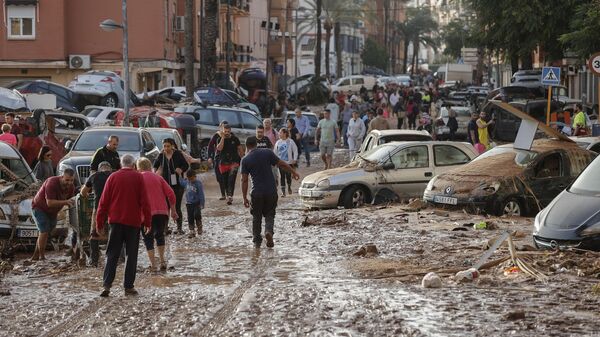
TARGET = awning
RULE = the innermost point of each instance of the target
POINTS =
(21, 2)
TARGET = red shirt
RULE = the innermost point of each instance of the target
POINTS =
(124, 200)
(51, 190)
(9, 138)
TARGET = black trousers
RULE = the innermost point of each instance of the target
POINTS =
(412, 121)
(178, 190)
(120, 235)
(159, 224)
(219, 177)
(285, 176)
(262, 206)
(194, 215)
(400, 122)
(229, 178)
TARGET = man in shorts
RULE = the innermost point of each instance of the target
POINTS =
(55, 193)
(325, 138)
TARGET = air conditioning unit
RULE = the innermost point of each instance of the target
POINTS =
(79, 62)
(179, 23)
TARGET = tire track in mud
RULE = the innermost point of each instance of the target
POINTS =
(221, 317)
(75, 321)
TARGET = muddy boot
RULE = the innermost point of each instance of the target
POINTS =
(283, 191)
(192, 234)
(290, 190)
(152, 259)
(199, 228)
(130, 292)
(269, 238)
(105, 292)
(161, 256)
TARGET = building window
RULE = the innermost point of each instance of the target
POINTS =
(21, 22)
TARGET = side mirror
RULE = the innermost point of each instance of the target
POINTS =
(68, 145)
(387, 166)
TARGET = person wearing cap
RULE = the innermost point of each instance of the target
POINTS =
(95, 183)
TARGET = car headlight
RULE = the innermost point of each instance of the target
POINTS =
(171, 122)
(430, 184)
(323, 183)
(491, 188)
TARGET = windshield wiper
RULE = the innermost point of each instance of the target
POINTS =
(365, 159)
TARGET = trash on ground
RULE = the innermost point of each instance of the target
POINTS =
(431, 280)
(366, 251)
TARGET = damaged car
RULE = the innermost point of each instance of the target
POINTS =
(510, 181)
(388, 172)
(572, 219)
(18, 186)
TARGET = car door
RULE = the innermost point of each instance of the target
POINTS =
(548, 176)
(345, 85)
(233, 119)
(357, 83)
(411, 171)
(447, 157)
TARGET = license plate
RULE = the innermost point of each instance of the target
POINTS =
(27, 233)
(445, 200)
(305, 193)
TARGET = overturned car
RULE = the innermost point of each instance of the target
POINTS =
(18, 186)
(509, 181)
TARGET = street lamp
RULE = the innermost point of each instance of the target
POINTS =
(110, 25)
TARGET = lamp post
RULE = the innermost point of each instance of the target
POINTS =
(109, 25)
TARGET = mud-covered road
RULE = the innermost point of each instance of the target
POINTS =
(311, 284)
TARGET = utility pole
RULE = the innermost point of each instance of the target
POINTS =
(227, 50)
(296, 51)
(201, 38)
(125, 63)
(285, 40)
(189, 48)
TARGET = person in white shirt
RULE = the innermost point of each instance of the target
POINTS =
(394, 97)
(356, 132)
(286, 150)
(334, 109)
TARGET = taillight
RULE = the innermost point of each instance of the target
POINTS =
(107, 79)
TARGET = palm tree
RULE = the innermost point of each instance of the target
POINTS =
(419, 28)
(209, 47)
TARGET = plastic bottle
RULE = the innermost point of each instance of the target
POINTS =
(466, 275)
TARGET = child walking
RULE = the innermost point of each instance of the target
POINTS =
(194, 198)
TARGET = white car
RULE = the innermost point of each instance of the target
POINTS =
(173, 93)
(101, 115)
(101, 88)
(353, 83)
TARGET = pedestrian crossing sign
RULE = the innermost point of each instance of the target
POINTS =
(551, 76)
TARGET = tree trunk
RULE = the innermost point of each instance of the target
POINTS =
(415, 58)
(327, 47)
(318, 42)
(211, 32)
(386, 15)
(189, 48)
(514, 62)
(337, 32)
(405, 60)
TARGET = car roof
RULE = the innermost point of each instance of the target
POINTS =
(400, 132)
(586, 139)
(39, 81)
(162, 129)
(7, 151)
(113, 128)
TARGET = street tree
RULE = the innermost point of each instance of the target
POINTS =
(209, 47)
(456, 35)
(583, 38)
(419, 28)
(373, 54)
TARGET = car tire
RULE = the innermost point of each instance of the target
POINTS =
(354, 197)
(204, 150)
(110, 100)
(511, 207)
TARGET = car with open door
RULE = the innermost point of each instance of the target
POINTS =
(389, 172)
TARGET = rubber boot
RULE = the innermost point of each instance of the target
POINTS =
(161, 257)
(152, 259)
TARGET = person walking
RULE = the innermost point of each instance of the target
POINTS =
(294, 135)
(472, 133)
(412, 112)
(194, 197)
(8, 137)
(286, 150)
(269, 131)
(263, 197)
(482, 125)
(44, 168)
(14, 129)
(231, 152)
(334, 108)
(214, 158)
(107, 153)
(303, 126)
(171, 165)
(346, 117)
(95, 183)
(379, 122)
(325, 138)
(262, 141)
(126, 205)
(580, 125)
(452, 123)
(55, 193)
(356, 132)
(162, 201)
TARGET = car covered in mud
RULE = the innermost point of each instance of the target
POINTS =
(388, 172)
(572, 219)
(378, 137)
(509, 181)
(18, 186)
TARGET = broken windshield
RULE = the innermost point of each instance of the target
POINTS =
(378, 154)
(16, 168)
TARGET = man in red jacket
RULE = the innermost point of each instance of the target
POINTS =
(125, 202)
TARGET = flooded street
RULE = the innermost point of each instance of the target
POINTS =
(311, 283)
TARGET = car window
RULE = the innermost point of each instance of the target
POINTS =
(588, 183)
(147, 139)
(250, 121)
(91, 112)
(412, 157)
(69, 123)
(205, 117)
(446, 155)
(368, 143)
(522, 157)
(549, 166)
(404, 138)
(91, 141)
(230, 116)
(358, 81)
(595, 148)
(58, 91)
(17, 166)
(345, 82)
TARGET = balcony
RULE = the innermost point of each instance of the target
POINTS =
(238, 7)
(239, 54)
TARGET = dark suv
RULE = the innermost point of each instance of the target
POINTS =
(66, 99)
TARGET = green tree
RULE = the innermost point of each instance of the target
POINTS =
(373, 54)
(583, 38)
(456, 35)
(419, 28)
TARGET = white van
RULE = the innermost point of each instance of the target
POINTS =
(353, 83)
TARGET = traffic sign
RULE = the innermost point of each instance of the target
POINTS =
(551, 76)
(594, 64)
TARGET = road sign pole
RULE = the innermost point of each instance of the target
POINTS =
(549, 104)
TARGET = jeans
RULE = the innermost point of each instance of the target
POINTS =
(344, 135)
(122, 235)
(353, 145)
(159, 223)
(194, 215)
(412, 122)
(219, 177)
(229, 179)
(304, 141)
(178, 190)
(285, 176)
(262, 206)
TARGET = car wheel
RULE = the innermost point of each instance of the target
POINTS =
(354, 197)
(204, 150)
(110, 100)
(511, 207)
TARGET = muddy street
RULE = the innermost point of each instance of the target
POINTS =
(315, 282)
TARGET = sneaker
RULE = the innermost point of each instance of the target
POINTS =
(229, 200)
(222, 197)
(269, 237)
(105, 292)
(131, 292)
(257, 245)
(199, 230)
(192, 234)
(289, 190)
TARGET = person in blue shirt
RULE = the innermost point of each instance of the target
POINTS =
(194, 198)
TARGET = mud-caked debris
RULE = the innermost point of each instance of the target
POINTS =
(4, 292)
(341, 220)
(415, 205)
(431, 280)
(367, 251)
(515, 315)
(596, 289)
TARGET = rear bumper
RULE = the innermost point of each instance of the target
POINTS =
(85, 90)
(312, 198)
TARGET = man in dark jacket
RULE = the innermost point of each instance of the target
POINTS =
(107, 153)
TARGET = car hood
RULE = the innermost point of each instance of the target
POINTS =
(567, 215)
(337, 174)
(85, 157)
